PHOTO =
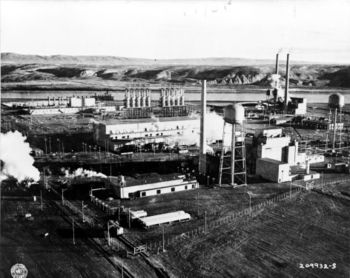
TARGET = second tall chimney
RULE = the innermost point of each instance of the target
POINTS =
(202, 153)
(286, 88)
(276, 67)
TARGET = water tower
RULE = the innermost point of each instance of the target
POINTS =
(233, 162)
(336, 103)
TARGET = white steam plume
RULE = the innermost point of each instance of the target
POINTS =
(16, 158)
(214, 130)
(80, 172)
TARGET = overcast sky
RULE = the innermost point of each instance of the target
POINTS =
(312, 30)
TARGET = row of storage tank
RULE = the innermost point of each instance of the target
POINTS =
(137, 98)
(172, 97)
(140, 98)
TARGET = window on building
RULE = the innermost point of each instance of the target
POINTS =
(173, 189)
(145, 129)
(158, 191)
(123, 137)
(185, 187)
(157, 134)
(161, 134)
(193, 186)
(143, 194)
(177, 127)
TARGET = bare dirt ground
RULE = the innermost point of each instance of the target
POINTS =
(309, 229)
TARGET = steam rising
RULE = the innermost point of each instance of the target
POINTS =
(80, 172)
(16, 158)
(214, 130)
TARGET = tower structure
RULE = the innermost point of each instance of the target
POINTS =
(336, 103)
(232, 167)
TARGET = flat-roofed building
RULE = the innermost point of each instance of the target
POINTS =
(145, 185)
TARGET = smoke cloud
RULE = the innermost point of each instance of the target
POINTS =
(16, 159)
(80, 172)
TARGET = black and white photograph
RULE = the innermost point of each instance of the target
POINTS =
(175, 139)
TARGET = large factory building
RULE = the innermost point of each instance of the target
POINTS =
(114, 131)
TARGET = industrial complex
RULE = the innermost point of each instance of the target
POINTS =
(143, 178)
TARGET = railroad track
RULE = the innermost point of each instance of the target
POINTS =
(91, 242)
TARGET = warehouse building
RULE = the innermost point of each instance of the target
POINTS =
(151, 185)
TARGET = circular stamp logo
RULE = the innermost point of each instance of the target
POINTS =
(19, 271)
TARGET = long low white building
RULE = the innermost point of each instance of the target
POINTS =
(165, 218)
(149, 129)
(150, 185)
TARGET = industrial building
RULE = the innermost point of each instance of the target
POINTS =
(276, 153)
(126, 187)
(61, 105)
(116, 132)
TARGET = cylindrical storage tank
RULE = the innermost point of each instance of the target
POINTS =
(132, 104)
(148, 101)
(336, 101)
(182, 100)
(234, 114)
(143, 100)
(138, 100)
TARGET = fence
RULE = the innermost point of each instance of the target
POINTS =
(240, 216)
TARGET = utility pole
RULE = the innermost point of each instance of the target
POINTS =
(197, 203)
(41, 200)
(73, 231)
(50, 145)
(163, 239)
(45, 145)
(82, 210)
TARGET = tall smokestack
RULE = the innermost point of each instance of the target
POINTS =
(202, 154)
(276, 67)
(286, 88)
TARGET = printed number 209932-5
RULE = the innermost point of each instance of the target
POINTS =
(317, 266)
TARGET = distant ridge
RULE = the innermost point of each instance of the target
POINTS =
(15, 58)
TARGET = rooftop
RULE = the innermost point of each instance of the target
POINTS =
(149, 178)
(146, 120)
(273, 161)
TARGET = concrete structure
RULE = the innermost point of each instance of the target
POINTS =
(75, 102)
(151, 185)
(165, 218)
(273, 170)
(88, 102)
(276, 154)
